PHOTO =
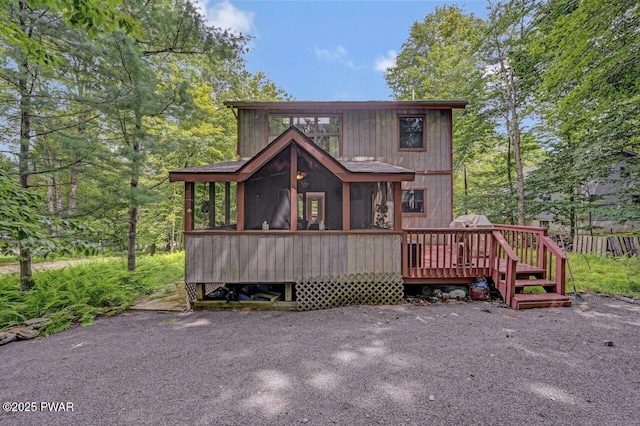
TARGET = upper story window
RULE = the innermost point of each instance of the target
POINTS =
(411, 132)
(324, 130)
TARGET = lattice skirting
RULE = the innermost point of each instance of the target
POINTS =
(355, 289)
(192, 291)
(192, 294)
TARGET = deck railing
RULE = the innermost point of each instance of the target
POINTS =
(506, 253)
(446, 253)
(555, 261)
(526, 242)
(504, 260)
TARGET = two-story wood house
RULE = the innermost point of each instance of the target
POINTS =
(319, 202)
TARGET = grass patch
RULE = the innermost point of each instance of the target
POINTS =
(7, 260)
(79, 293)
(619, 275)
(13, 260)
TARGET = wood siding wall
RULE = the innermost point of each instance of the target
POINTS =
(277, 258)
(372, 134)
(438, 202)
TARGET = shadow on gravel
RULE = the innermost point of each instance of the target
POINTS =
(445, 364)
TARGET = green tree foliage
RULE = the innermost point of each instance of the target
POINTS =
(95, 130)
(448, 55)
(585, 56)
(152, 80)
(23, 226)
(507, 78)
(33, 39)
(91, 16)
(439, 60)
(553, 94)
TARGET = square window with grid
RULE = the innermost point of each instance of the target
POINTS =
(413, 201)
(411, 132)
(324, 131)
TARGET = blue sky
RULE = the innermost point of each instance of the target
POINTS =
(326, 50)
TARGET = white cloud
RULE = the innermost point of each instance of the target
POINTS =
(226, 16)
(335, 55)
(385, 62)
(339, 55)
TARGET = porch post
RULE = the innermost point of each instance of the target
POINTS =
(346, 206)
(227, 203)
(240, 207)
(212, 204)
(293, 179)
(397, 206)
(188, 206)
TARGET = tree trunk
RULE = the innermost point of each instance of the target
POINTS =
(50, 200)
(512, 118)
(466, 190)
(73, 192)
(26, 273)
(515, 142)
(57, 189)
(133, 206)
(573, 223)
(26, 276)
(133, 228)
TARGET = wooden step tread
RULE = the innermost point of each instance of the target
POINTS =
(536, 282)
(540, 300)
(523, 269)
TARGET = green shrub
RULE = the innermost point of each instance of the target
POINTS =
(79, 293)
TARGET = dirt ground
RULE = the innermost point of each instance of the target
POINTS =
(42, 266)
(445, 364)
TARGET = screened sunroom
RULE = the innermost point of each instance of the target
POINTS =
(291, 212)
(293, 185)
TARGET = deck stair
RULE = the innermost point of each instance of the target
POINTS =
(520, 300)
(544, 268)
(539, 300)
(515, 257)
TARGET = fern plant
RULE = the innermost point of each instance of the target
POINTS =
(79, 293)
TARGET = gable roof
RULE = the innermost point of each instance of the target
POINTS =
(241, 170)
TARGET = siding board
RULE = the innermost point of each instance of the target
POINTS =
(286, 258)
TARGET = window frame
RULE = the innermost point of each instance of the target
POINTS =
(424, 132)
(316, 135)
(424, 201)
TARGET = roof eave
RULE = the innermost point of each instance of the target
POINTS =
(185, 176)
(379, 177)
(319, 105)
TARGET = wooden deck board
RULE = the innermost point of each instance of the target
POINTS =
(439, 262)
(540, 300)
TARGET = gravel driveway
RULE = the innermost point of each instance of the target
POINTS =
(447, 364)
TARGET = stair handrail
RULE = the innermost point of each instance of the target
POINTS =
(549, 246)
(511, 259)
(526, 242)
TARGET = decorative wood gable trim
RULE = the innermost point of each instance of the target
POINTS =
(346, 171)
(289, 137)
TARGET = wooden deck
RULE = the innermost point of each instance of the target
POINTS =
(439, 262)
(514, 257)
